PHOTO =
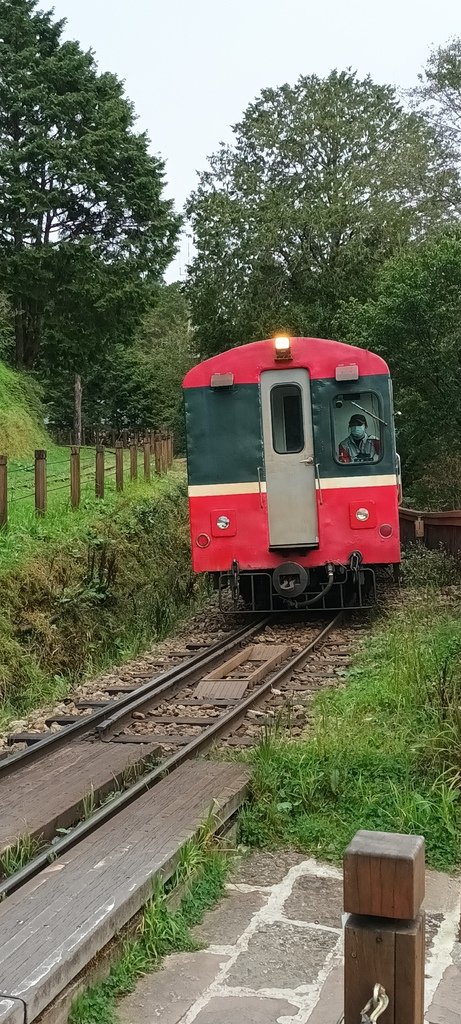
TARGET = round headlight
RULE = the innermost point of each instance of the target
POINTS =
(362, 515)
(223, 522)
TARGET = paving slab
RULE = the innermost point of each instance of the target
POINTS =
(319, 900)
(168, 993)
(281, 955)
(245, 1010)
(276, 940)
(224, 925)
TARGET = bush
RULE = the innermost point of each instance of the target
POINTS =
(423, 567)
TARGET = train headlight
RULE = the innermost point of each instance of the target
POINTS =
(282, 347)
(362, 515)
(223, 522)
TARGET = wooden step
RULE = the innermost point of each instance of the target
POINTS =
(60, 920)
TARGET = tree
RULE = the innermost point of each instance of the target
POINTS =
(439, 93)
(142, 386)
(413, 321)
(324, 181)
(79, 189)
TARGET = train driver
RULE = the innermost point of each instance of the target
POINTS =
(358, 446)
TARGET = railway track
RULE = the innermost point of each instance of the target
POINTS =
(63, 906)
(213, 698)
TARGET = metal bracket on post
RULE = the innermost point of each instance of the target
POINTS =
(384, 878)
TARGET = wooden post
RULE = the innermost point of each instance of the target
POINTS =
(164, 454)
(119, 465)
(3, 491)
(75, 477)
(99, 471)
(384, 877)
(147, 460)
(78, 411)
(133, 462)
(419, 528)
(40, 482)
(125, 438)
(171, 447)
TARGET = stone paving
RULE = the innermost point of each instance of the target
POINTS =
(274, 952)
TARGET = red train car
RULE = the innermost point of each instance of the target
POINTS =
(293, 472)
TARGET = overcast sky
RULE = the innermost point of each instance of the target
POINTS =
(192, 66)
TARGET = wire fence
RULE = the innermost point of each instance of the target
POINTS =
(75, 470)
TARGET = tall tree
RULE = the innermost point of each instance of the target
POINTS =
(78, 185)
(439, 92)
(324, 181)
(413, 322)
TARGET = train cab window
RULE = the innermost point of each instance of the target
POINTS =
(357, 428)
(287, 418)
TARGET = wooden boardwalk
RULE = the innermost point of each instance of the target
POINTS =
(52, 927)
(31, 806)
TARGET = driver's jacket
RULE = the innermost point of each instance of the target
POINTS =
(364, 449)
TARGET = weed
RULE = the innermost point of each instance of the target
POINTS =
(384, 751)
(18, 855)
(430, 568)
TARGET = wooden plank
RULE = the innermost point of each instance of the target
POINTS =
(60, 920)
(222, 687)
(266, 652)
(77, 770)
(230, 665)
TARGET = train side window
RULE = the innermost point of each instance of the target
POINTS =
(287, 418)
(357, 428)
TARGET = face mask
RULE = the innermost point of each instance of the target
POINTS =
(358, 432)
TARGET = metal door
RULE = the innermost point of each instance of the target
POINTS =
(289, 458)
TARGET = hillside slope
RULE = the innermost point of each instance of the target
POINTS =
(21, 421)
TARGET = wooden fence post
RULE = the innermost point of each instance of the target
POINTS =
(99, 471)
(119, 465)
(171, 448)
(146, 460)
(40, 481)
(75, 477)
(384, 878)
(3, 491)
(133, 462)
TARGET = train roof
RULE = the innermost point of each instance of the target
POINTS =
(319, 356)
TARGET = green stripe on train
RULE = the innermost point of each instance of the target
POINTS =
(224, 431)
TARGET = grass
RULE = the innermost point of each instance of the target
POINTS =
(18, 855)
(94, 594)
(28, 533)
(384, 751)
(203, 869)
(21, 427)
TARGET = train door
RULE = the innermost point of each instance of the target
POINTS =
(289, 458)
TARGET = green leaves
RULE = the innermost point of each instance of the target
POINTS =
(324, 181)
(84, 226)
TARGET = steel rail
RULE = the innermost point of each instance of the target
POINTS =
(166, 681)
(217, 729)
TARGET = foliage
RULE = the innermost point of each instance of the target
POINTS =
(161, 931)
(384, 752)
(439, 486)
(413, 321)
(143, 386)
(324, 181)
(61, 615)
(84, 227)
(439, 95)
(21, 415)
(429, 568)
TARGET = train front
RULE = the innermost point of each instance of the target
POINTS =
(293, 473)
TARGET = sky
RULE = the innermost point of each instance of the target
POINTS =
(192, 66)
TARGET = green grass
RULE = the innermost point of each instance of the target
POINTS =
(18, 855)
(28, 533)
(81, 599)
(384, 751)
(21, 423)
(203, 868)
